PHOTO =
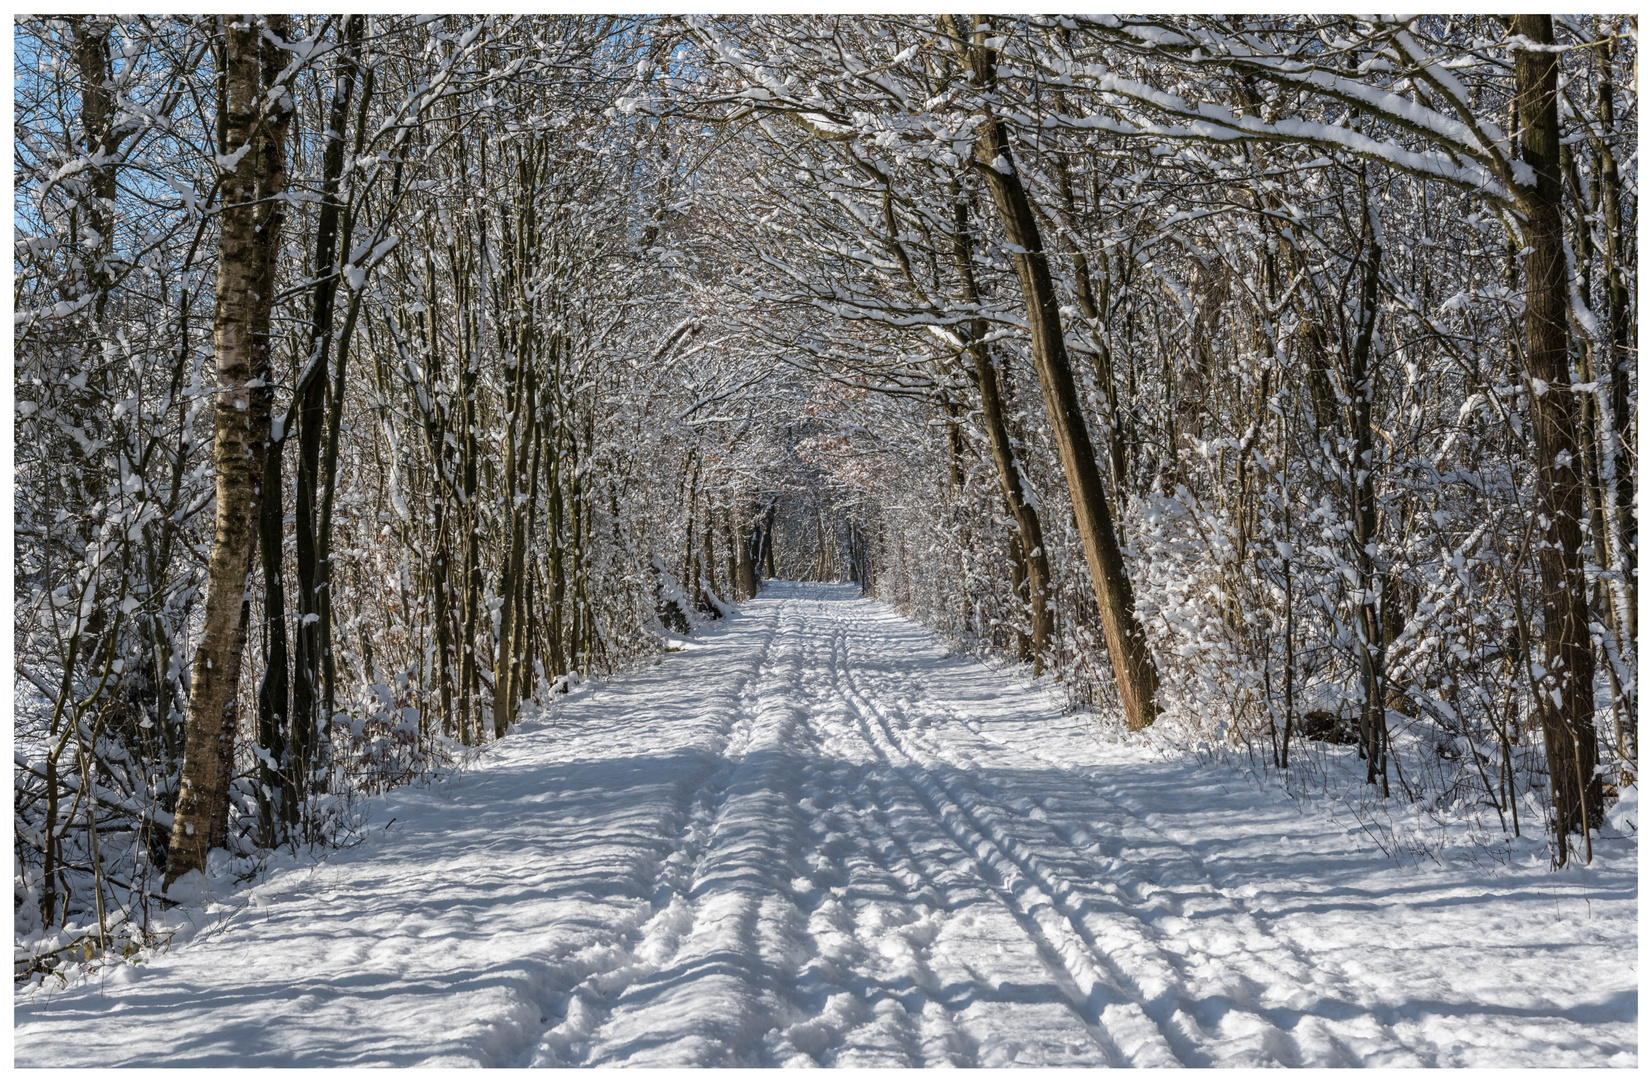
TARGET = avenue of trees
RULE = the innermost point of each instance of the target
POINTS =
(379, 378)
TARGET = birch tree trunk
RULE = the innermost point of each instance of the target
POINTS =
(255, 140)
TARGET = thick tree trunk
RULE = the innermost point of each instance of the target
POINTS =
(249, 238)
(1565, 692)
(1131, 660)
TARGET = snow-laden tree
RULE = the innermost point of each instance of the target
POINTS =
(1299, 254)
(379, 377)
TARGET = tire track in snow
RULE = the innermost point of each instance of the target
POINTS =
(829, 987)
(1078, 909)
(932, 1025)
(1098, 919)
(1326, 1021)
(869, 1008)
(703, 982)
(522, 892)
(1073, 969)
(1039, 890)
(823, 986)
(573, 1014)
(1298, 969)
(938, 1034)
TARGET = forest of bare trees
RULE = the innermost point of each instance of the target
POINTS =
(1268, 380)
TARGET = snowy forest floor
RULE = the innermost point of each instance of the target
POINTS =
(813, 836)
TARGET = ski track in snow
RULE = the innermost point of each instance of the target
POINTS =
(814, 838)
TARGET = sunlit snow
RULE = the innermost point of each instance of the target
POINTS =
(814, 837)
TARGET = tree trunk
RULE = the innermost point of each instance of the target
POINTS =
(766, 560)
(562, 649)
(1619, 457)
(586, 634)
(953, 441)
(441, 581)
(469, 676)
(309, 414)
(329, 459)
(747, 561)
(1565, 693)
(1361, 469)
(275, 796)
(1030, 527)
(730, 561)
(1623, 352)
(1131, 660)
(708, 560)
(520, 432)
(250, 225)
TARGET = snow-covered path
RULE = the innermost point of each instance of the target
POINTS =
(812, 837)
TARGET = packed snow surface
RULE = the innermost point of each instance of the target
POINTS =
(814, 837)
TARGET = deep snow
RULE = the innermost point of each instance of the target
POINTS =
(814, 837)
